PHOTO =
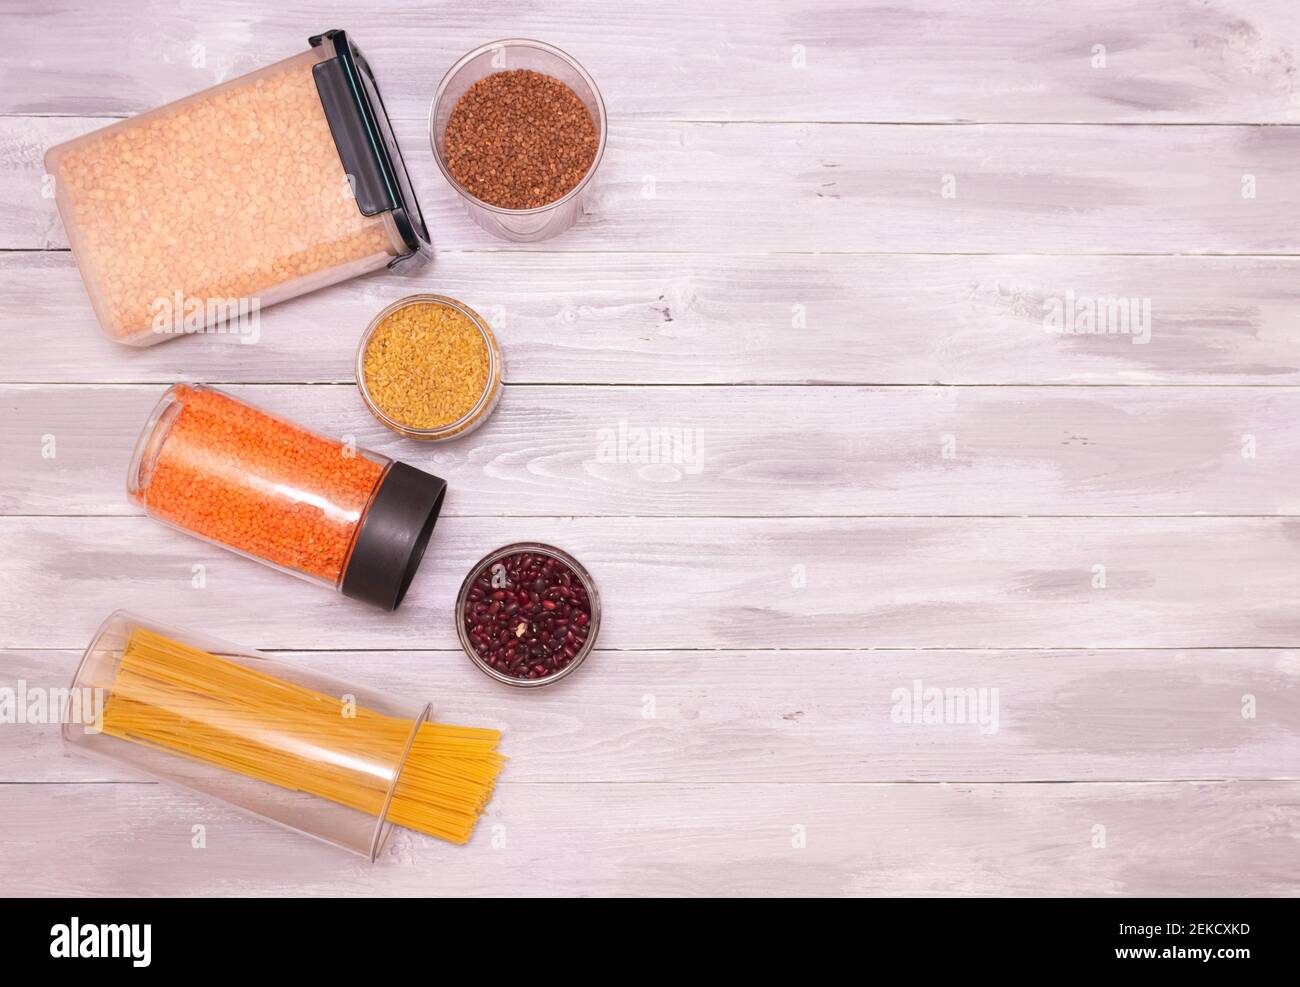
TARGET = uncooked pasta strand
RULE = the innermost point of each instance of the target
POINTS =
(169, 696)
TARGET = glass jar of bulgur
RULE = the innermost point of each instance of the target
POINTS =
(429, 367)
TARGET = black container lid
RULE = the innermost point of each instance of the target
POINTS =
(393, 535)
(366, 145)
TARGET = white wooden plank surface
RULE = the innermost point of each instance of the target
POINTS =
(752, 451)
(1225, 61)
(723, 319)
(713, 583)
(708, 187)
(816, 716)
(769, 212)
(663, 839)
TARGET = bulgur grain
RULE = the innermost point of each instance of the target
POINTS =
(426, 365)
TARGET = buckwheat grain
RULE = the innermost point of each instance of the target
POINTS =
(519, 139)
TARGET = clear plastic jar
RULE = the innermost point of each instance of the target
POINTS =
(196, 215)
(281, 741)
(519, 225)
(239, 477)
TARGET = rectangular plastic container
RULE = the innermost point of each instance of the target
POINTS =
(192, 216)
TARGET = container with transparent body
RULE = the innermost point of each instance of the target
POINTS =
(464, 600)
(467, 422)
(196, 215)
(283, 742)
(519, 225)
(260, 485)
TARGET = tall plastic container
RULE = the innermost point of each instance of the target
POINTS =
(195, 216)
(219, 468)
(519, 225)
(307, 751)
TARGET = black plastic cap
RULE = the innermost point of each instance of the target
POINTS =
(393, 536)
(367, 147)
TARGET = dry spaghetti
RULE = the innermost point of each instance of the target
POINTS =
(173, 697)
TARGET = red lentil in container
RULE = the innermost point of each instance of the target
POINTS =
(255, 483)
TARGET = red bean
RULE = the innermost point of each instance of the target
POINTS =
(534, 623)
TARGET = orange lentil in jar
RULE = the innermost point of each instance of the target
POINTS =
(256, 483)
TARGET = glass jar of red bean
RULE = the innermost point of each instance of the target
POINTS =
(527, 614)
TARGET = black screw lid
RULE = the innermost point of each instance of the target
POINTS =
(393, 535)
